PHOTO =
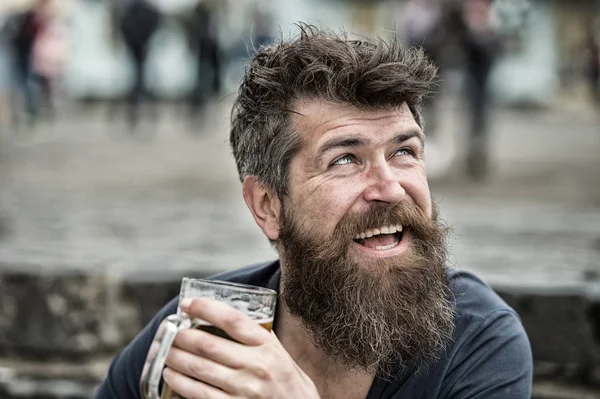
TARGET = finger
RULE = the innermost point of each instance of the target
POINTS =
(220, 350)
(190, 388)
(236, 324)
(200, 368)
(154, 347)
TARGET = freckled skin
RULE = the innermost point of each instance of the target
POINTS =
(349, 179)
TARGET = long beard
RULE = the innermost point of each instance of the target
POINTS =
(384, 317)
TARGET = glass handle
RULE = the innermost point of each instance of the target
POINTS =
(157, 355)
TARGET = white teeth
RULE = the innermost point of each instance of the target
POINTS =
(384, 247)
(381, 230)
(360, 236)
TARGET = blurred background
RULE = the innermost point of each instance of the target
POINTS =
(116, 178)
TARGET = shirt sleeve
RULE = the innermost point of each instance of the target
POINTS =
(493, 362)
(123, 377)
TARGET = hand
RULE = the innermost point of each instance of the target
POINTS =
(204, 366)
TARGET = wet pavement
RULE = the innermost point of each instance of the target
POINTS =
(88, 193)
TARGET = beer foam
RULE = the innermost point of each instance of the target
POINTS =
(253, 309)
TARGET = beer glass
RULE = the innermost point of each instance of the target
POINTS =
(256, 302)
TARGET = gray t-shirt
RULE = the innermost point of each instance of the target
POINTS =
(489, 356)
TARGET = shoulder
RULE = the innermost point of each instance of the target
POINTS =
(260, 274)
(490, 355)
(480, 313)
(474, 299)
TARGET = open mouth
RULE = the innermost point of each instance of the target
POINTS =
(382, 238)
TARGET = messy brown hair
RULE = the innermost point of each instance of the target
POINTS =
(368, 74)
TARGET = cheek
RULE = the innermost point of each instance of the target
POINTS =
(418, 190)
(328, 204)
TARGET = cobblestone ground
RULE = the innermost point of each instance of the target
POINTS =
(89, 193)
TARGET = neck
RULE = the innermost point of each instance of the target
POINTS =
(332, 379)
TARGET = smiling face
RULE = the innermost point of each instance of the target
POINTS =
(351, 161)
(362, 254)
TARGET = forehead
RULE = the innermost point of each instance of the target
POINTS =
(317, 119)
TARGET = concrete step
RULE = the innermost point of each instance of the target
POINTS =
(74, 316)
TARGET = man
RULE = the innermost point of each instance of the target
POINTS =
(327, 139)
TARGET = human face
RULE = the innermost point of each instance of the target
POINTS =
(376, 303)
(352, 160)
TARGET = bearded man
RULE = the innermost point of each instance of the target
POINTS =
(327, 137)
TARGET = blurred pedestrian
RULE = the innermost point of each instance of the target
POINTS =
(49, 59)
(201, 29)
(139, 22)
(5, 72)
(420, 23)
(262, 21)
(24, 31)
(472, 24)
(594, 60)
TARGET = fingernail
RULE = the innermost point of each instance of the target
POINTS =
(185, 303)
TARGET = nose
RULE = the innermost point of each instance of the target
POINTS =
(383, 185)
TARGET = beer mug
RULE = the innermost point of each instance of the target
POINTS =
(256, 302)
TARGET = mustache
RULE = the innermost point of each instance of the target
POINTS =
(428, 233)
(403, 213)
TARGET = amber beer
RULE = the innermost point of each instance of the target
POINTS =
(199, 325)
(266, 323)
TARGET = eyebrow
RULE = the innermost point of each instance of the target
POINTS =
(353, 142)
(401, 138)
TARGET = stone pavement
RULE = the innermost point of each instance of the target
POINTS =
(121, 215)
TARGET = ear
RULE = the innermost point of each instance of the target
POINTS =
(264, 205)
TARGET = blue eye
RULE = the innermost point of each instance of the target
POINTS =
(346, 159)
(404, 151)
